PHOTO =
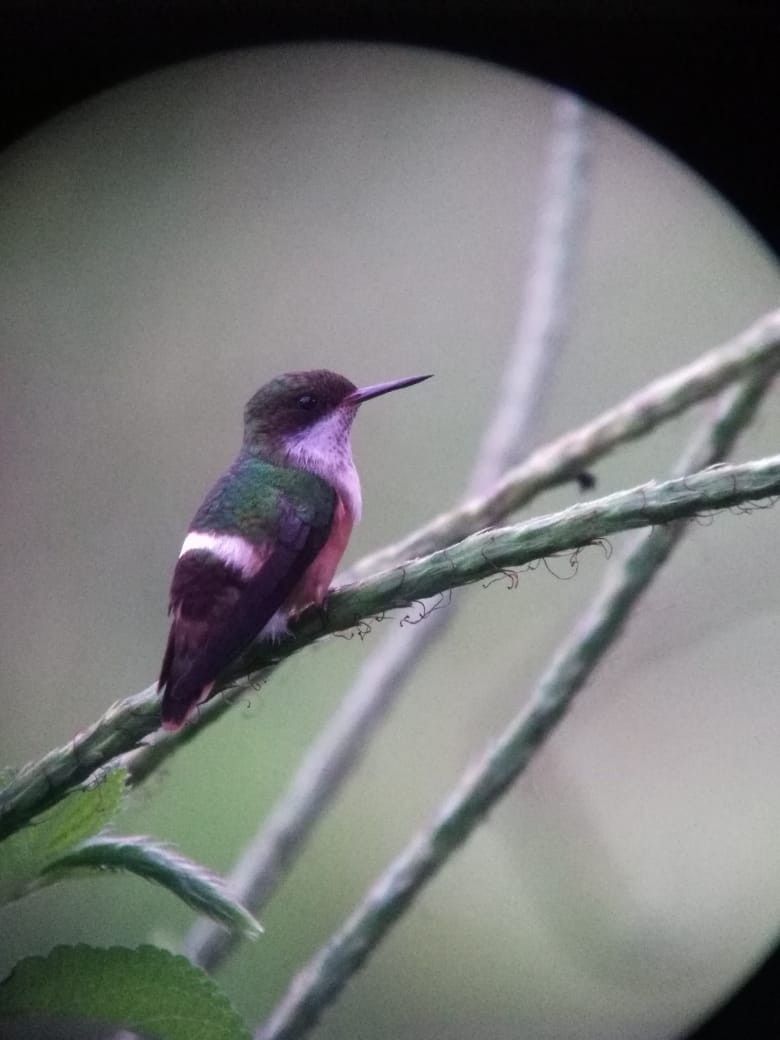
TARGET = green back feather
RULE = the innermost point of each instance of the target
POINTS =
(246, 499)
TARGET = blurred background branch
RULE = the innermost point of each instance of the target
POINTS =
(541, 329)
(188, 235)
(323, 978)
(564, 458)
(127, 722)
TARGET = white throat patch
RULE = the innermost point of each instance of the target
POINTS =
(324, 448)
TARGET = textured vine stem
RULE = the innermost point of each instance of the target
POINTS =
(539, 336)
(326, 974)
(41, 783)
(663, 399)
(562, 459)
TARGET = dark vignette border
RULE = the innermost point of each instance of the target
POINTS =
(702, 79)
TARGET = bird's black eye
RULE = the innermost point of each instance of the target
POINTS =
(307, 402)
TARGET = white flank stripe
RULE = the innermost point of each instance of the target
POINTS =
(231, 548)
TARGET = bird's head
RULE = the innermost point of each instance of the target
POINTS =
(306, 415)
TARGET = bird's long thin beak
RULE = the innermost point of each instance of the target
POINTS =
(365, 393)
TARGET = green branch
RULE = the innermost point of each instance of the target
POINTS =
(539, 338)
(192, 883)
(122, 728)
(757, 349)
(562, 459)
(324, 977)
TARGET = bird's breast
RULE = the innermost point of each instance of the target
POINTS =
(314, 585)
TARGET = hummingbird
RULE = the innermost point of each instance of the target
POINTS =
(269, 535)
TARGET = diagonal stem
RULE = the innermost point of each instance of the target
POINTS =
(344, 740)
(42, 783)
(663, 399)
(323, 978)
(126, 723)
(565, 457)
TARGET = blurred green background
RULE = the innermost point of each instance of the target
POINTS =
(172, 244)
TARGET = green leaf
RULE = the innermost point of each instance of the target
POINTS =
(196, 885)
(82, 813)
(148, 990)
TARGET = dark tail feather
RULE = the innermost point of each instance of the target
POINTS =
(167, 662)
(180, 699)
(180, 696)
(174, 710)
(173, 714)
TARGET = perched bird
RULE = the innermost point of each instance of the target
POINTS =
(269, 535)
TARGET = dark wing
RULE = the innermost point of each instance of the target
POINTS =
(217, 612)
(204, 590)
